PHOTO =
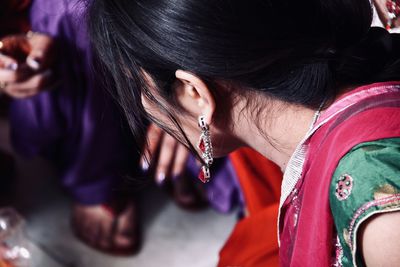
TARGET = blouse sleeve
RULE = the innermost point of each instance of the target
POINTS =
(366, 182)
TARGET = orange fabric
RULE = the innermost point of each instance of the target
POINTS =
(260, 179)
(253, 242)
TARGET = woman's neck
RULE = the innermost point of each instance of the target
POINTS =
(277, 132)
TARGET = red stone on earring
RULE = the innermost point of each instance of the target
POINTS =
(202, 145)
(204, 174)
(201, 176)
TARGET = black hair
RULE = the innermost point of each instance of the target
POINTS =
(302, 52)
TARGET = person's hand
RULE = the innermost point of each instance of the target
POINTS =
(166, 158)
(31, 75)
(384, 15)
(164, 154)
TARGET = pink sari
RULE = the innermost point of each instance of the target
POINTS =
(306, 228)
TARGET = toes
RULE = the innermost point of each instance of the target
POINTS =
(92, 234)
(105, 235)
(93, 225)
(126, 234)
(124, 241)
(102, 230)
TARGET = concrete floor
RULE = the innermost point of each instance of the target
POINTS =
(172, 237)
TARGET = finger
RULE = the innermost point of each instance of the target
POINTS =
(37, 81)
(31, 86)
(84, 228)
(9, 75)
(92, 233)
(396, 23)
(18, 94)
(126, 230)
(154, 136)
(181, 157)
(8, 63)
(166, 158)
(381, 9)
(105, 233)
(33, 62)
(41, 54)
(31, 92)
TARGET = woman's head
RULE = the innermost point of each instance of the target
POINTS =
(184, 57)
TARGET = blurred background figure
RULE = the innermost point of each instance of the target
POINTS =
(59, 111)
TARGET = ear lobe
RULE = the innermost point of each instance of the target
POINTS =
(201, 100)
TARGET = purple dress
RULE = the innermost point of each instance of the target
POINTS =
(77, 125)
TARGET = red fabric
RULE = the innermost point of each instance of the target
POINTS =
(311, 241)
(253, 242)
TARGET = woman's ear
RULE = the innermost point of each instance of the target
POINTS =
(194, 95)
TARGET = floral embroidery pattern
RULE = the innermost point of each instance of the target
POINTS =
(344, 187)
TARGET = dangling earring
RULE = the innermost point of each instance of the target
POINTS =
(205, 147)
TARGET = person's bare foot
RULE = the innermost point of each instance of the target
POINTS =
(107, 229)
